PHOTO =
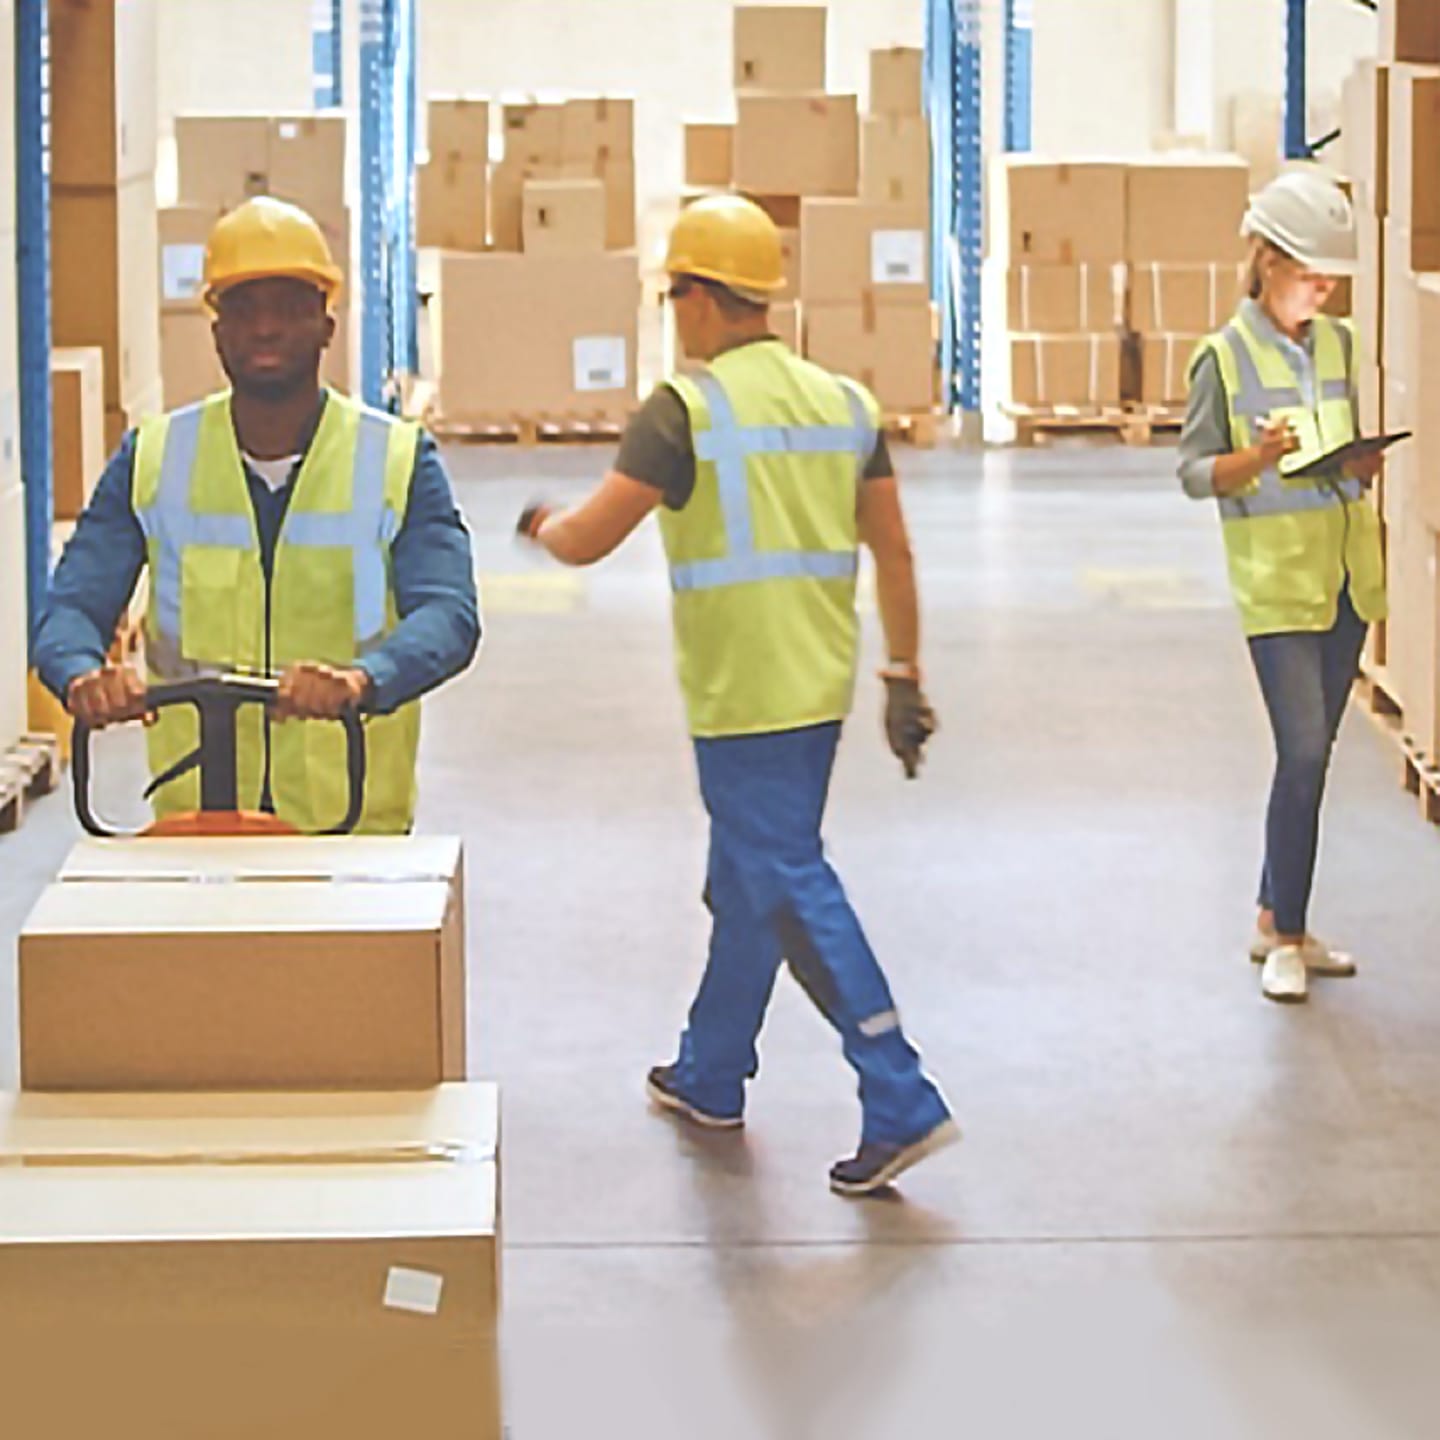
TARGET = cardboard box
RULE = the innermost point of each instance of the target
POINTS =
(13, 706)
(1413, 634)
(1165, 368)
(897, 81)
(851, 251)
(306, 161)
(1366, 130)
(780, 48)
(533, 134)
(895, 161)
(170, 985)
(1427, 409)
(1370, 286)
(1065, 299)
(562, 336)
(77, 403)
(1257, 134)
(104, 118)
(785, 324)
(797, 145)
(507, 185)
(1048, 213)
(1183, 299)
(1186, 211)
(1400, 353)
(1371, 387)
(184, 233)
(105, 285)
(1080, 370)
(710, 155)
(618, 178)
(451, 204)
(223, 159)
(597, 130)
(234, 1266)
(190, 366)
(458, 128)
(563, 217)
(1413, 143)
(890, 349)
(1410, 31)
(784, 210)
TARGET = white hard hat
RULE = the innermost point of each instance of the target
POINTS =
(1308, 217)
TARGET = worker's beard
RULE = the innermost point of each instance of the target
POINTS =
(273, 386)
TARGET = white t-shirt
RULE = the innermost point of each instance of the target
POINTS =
(275, 473)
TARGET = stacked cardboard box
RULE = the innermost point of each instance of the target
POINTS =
(223, 161)
(1058, 235)
(14, 629)
(77, 414)
(103, 67)
(452, 189)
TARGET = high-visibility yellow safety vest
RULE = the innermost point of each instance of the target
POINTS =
(329, 600)
(1293, 545)
(763, 558)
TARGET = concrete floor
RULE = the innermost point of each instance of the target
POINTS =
(1179, 1211)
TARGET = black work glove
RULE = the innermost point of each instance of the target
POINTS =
(909, 721)
(532, 517)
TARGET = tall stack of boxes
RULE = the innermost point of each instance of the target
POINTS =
(224, 160)
(1396, 106)
(13, 625)
(246, 1137)
(452, 188)
(103, 218)
(544, 324)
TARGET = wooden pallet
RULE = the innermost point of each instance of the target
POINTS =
(1419, 772)
(1040, 425)
(921, 429)
(28, 769)
(530, 430)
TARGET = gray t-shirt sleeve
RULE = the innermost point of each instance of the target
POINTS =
(1206, 432)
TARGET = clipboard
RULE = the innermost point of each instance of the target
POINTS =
(1360, 449)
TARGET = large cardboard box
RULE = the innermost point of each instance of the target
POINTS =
(561, 336)
(1079, 370)
(184, 233)
(1367, 134)
(77, 406)
(1065, 299)
(105, 286)
(890, 349)
(618, 178)
(563, 217)
(1370, 285)
(12, 614)
(897, 81)
(1186, 211)
(1400, 353)
(170, 985)
(104, 121)
(1165, 368)
(851, 251)
(306, 157)
(452, 203)
(780, 47)
(710, 155)
(533, 133)
(797, 144)
(1049, 213)
(895, 160)
(597, 130)
(190, 368)
(234, 1266)
(458, 128)
(1427, 408)
(226, 159)
(1410, 31)
(507, 187)
(1413, 634)
(1413, 143)
(1183, 299)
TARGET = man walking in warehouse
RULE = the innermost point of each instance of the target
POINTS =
(771, 472)
(287, 528)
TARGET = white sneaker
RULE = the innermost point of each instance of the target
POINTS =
(1320, 959)
(1285, 978)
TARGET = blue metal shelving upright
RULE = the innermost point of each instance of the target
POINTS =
(32, 280)
(1019, 70)
(327, 30)
(388, 340)
(1297, 141)
(953, 97)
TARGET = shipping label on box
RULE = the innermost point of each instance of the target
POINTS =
(600, 363)
(1047, 213)
(458, 128)
(182, 272)
(897, 81)
(563, 217)
(897, 257)
(780, 48)
(851, 250)
(710, 155)
(797, 145)
(895, 161)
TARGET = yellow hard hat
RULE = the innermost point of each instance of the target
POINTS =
(731, 240)
(268, 239)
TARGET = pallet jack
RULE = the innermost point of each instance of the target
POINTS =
(217, 701)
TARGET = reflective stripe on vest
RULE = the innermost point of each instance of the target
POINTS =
(726, 445)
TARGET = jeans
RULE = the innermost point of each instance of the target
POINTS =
(774, 896)
(1306, 681)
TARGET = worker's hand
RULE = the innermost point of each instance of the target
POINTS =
(532, 518)
(106, 696)
(319, 692)
(909, 720)
(1367, 469)
(1277, 440)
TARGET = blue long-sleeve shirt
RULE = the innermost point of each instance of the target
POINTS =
(431, 565)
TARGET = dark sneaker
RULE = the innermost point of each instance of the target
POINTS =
(875, 1166)
(663, 1091)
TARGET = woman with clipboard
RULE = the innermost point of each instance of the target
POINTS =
(1270, 394)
